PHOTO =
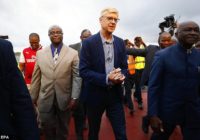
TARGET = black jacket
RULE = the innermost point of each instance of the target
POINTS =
(17, 117)
(148, 53)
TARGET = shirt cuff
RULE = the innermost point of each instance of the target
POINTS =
(107, 81)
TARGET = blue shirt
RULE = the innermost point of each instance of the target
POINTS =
(108, 48)
(53, 48)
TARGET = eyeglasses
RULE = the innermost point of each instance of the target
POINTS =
(110, 19)
(56, 33)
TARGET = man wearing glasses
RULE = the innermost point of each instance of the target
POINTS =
(103, 64)
(55, 85)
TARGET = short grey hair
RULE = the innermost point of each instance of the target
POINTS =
(53, 27)
(109, 10)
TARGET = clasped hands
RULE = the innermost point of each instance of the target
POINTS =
(115, 76)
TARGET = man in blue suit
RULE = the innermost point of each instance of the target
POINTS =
(17, 119)
(174, 87)
(102, 67)
(164, 40)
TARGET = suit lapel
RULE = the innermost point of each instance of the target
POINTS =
(100, 50)
(49, 56)
(115, 48)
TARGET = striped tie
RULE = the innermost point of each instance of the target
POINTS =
(55, 58)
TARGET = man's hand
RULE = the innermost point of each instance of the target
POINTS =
(116, 77)
(156, 124)
(72, 104)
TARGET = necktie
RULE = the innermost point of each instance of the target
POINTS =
(55, 58)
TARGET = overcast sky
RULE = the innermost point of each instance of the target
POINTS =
(18, 18)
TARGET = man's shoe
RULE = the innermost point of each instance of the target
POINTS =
(145, 124)
(79, 137)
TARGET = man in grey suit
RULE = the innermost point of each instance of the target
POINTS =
(84, 34)
(79, 112)
(55, 85)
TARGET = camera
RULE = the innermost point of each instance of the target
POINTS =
(168, 23)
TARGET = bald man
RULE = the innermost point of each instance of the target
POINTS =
(173, 89)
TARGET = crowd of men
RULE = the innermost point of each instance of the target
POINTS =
(86, 79)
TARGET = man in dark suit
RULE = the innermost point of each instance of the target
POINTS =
(84, 34)
(164, 40)
(173, 95)
(79, 113)
(103, 64)
(17, 119)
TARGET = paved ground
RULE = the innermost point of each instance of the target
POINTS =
(133, 124)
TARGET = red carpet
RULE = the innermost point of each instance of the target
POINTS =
(133, 126)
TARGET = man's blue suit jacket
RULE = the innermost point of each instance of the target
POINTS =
(92, 68)
(17, 119)
(173, 91)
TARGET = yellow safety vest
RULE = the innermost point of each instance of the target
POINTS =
(140, 61)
